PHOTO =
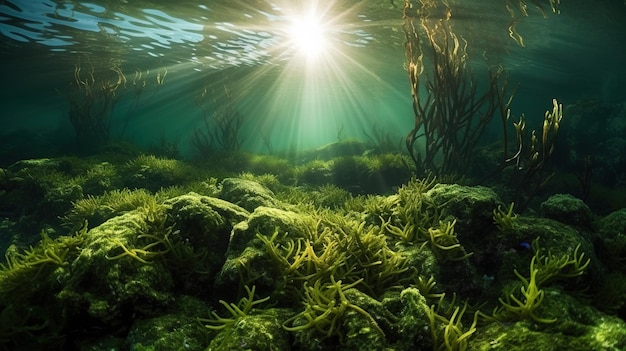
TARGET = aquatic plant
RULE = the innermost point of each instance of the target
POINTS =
(381, 140)
(445, 243)
(97, 209)
(346, 249)
(206, 187)
(524, 308)
(551, 267)
(19, 275)
(327, 196)
(316, 171)
(268, 180)
(412, 214)
(92, 97)
(153, 233)
(448, 333)
(237, 311)
(325, 306)
(222, 122)
(144, 254)
(18, 329)
(259, 165)
(532, 156)
(453, 116)
(426, 286)
(100, 178)
(504, 220)
(543, 269)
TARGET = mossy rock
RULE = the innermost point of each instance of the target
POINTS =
(247, 194)
(178, 330)
(610, 240)
(109, 286)
(204, 219)
(265, 221)
(201, 230)
(412, 327)
(472, 206)
(262, 331)
(554, 238)
(248, 255)
(153, 173)
(567, 209)
(578, 327)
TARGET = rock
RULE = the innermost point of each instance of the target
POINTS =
(472, 206)
(567, 209)
(262, 332)
(108, 285)
(248, 255)
(175, 331)
(246, 193)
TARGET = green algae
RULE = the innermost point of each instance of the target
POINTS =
(362, 272)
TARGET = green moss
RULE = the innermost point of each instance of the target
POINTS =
(25, 270)
(315, 172)
(97, 209)
(152, 173)
(207, 187)
(282, 169)
(100, 178)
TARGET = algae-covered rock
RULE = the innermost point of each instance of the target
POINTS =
(362, 332)
(260, 332)
(611, 239)
(202, 228)
(117, 273)
(353, 320)
(472, 206)
(614, 222)
(578, 327)
(246, 193)
(248, 255)
(567, 209)
(267, 220)
(413, 324)
(204, 219)
(554, 238)
(178, 330)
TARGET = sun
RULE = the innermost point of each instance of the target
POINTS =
(308, 34)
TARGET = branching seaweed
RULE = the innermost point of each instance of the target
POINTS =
(448, 333)
(504, 220)
(237, 311)
(526, 306)
(325, 306)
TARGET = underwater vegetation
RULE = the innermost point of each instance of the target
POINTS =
(93, 93)
(252, 259)
(351, 246)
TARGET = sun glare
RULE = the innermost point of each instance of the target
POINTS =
(309, 35)
(321, 78)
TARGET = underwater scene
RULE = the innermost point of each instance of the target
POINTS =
(440, 175)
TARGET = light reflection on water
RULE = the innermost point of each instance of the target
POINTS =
(42, 41)
(235, 34)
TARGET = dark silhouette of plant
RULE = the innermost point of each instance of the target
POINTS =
(222, 122)
(454, 114)
(92, 96)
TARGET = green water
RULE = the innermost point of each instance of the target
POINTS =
(294, 101)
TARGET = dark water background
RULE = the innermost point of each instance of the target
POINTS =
(579, 53)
